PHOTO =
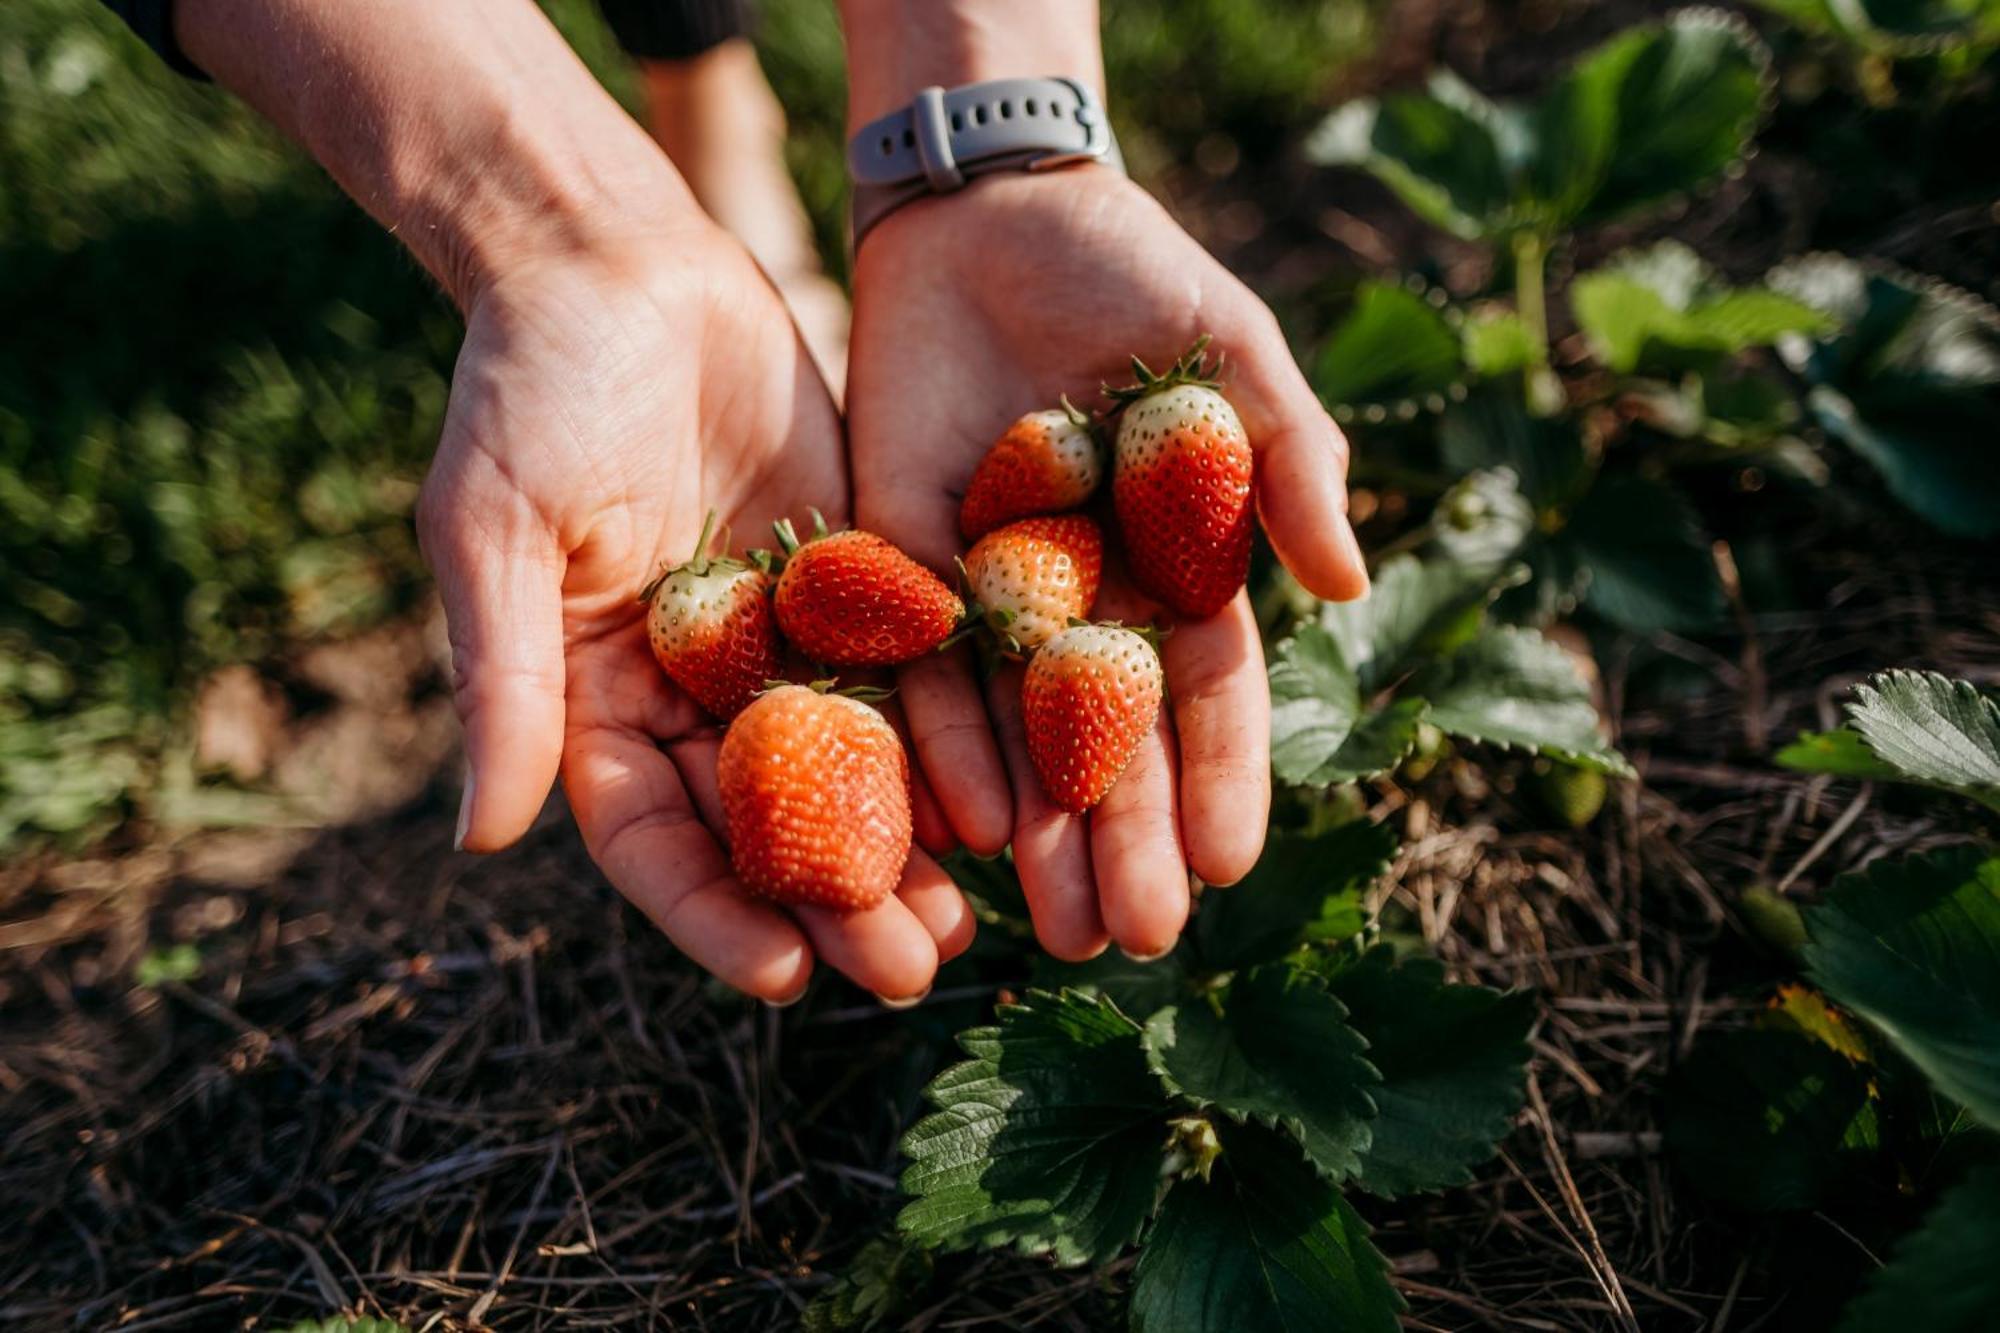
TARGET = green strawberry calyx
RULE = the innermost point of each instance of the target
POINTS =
(1193, 367)
(701, 562)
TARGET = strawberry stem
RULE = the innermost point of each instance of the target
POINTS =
(1192, 367)
(698, 562)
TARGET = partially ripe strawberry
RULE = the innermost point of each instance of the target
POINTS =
(1181, 486)
(709, 623)
(1090, 696)
(1030, 579)
(853, 599)
(1046, 462)
(816, 794)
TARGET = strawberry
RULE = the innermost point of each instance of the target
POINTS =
(853, 599)
(1089, 698)
(1030, 579)
(1045, 463)
(709, 622)
(816, 794)
(1181, 485)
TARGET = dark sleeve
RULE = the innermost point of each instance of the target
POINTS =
(675, 29)
(153, 20)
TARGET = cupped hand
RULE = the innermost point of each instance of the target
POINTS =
(972, 308)
(603, 403)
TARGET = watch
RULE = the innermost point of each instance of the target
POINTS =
(946, 137)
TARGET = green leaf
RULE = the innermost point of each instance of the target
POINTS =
(1392, 345)
(1911, 383)
(1648, 306)
(1769, 1120)
(178, 962)
(340, 1324)
(1136, 988)
(871, 1291)
(1453, 1061)
(1941, 1278)
(1641, 557)
(1302, 887)
(1273, 1047)
(1263, 1246)
(1913, 946)
(1415, 609)
(1512, 687)
(1439, 153)
(1051, 1138)
(1931, 729)
(1495, 430)
(1496, 342)
(1656, 112)
(1840, 752)
(1319, 732)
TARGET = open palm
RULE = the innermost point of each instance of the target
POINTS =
(974, 308)
(602, 405)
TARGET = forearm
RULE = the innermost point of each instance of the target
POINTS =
(467, 127)
(895, 47)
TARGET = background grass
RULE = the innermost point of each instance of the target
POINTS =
(220, 383)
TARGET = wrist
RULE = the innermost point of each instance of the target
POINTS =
(467, 127)
(506, 192)
(896, 47)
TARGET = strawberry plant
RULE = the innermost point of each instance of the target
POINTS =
(1669, 367)
(1872, 38)
(1224, 1108)
(1883, 1076)
(1352, 686)
(1216, 1107)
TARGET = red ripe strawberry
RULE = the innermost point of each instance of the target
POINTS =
(1030, 579)
(709, 622)
(853, 599)
(816, 793)
(1045, 463)
(1089, 698)
(1182, 485)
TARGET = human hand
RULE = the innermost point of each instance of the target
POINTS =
(973, 308)
(602, 405)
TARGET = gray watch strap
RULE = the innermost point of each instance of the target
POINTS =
(947, 137)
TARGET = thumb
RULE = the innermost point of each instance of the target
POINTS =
(1301, 468)
(499, 573)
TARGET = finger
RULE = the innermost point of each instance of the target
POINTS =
(885, 949)
(1135, 845)
(499, 573)
(1301, 467)
(956, 750)
(930, 893)
(1051, 848)
(1222, 717)
(639, 822)
(927, 819)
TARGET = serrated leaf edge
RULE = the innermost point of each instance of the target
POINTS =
(1293, 1127)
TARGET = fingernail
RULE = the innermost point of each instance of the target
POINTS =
(1146, 957)
(788, 1001)
(464, 813)
(1360, 562)
(909, 1002)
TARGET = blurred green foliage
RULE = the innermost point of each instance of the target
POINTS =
(219, 381)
